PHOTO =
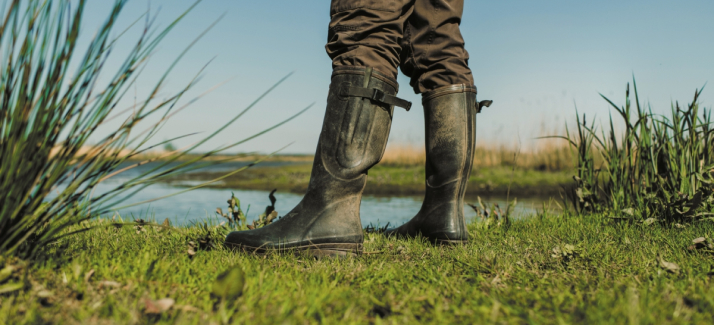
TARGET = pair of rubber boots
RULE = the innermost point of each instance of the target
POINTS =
(354, 135)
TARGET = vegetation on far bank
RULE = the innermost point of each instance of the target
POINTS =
(393, 180)
(498, 170)
(548, 269)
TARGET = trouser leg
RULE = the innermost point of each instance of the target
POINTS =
(432, 49)
(420, 36)
(367, 33)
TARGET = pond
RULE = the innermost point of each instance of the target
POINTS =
(200, 205)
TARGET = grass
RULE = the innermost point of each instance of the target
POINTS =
(547, 269)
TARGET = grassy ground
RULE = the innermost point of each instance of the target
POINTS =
(396, 180)
(526, 273)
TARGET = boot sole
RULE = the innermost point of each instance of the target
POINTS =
(314, 250)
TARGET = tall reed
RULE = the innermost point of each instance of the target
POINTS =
(659, 167)
(48, 113)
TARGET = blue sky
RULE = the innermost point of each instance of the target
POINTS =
(535, 59)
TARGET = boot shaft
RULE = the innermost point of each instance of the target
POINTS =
(450, 134)
(450, 129)
(355, 128)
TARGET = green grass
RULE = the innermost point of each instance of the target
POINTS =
(613, 274)
(395, 180)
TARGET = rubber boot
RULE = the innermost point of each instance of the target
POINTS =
(354, 135)
(450, 122)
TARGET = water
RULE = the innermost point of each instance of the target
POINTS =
(200, 204)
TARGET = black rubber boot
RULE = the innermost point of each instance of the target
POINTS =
(450, 122)
(354, 135)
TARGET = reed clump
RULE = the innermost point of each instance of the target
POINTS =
(49, 112)
(659, 168)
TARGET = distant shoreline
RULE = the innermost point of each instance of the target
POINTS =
(389, 180)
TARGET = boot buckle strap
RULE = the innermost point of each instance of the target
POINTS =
(374, 94)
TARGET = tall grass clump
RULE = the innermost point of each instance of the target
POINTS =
(52, 101)
(658, 167)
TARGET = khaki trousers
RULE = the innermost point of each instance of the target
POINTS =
(422, 37)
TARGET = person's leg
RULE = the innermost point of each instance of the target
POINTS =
(433, 53)
(367, 33)
(358, 117)
(434, 57)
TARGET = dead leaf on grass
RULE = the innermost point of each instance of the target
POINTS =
(701, 242)
(46, 297)
(187, 308)
(669, 266)
(111, 284)
(191, 249)
(157, 306)
(88, 275)
(44, 294)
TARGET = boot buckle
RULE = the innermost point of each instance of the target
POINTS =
(377, 95)
(374, 94)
